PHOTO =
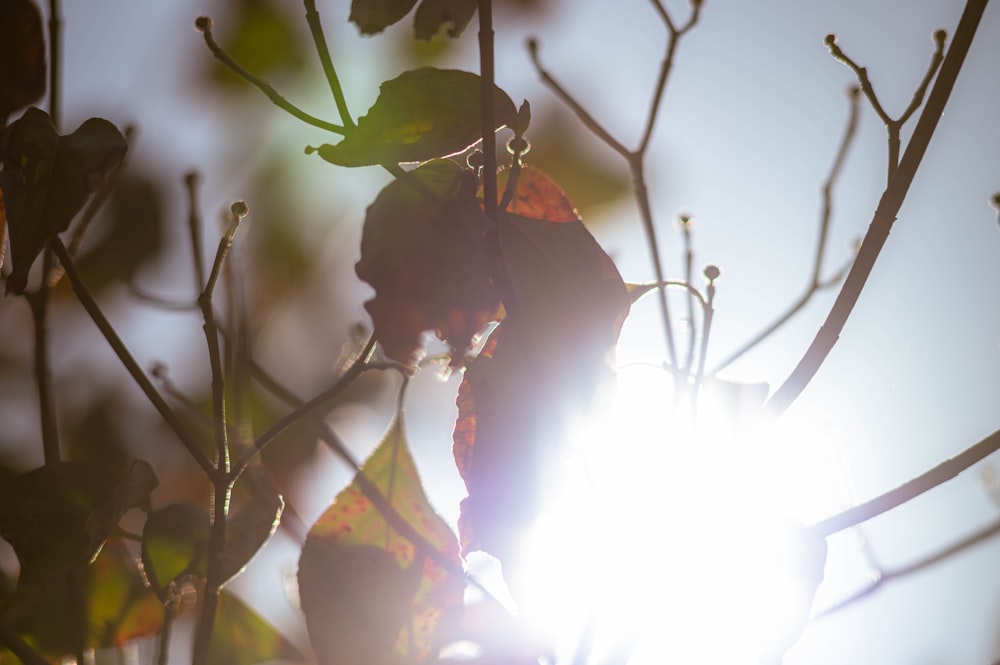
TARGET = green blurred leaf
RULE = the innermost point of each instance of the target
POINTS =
(242, 636)
(109, 595)
(374, 16)
(22, 52)
(250, 528)
(174, 544)
(262, 38)
(423, 252)
(46, 179)
(421, 114)
(57, 517)
(370, 594)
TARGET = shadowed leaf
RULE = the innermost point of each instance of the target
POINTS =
(47, 178)
(22, 52)
(422, 251)
(174, 544)
(419, 115)
(57, 517)
(242, 636)
(372, 596)
(432, 14)
(374, 16)
(249, 529)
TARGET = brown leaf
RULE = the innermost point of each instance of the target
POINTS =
(423, 252)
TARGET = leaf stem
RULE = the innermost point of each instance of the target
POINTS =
(486, 110)
(90, 305)
(194, 227)
(205, 25)
(885, 214)
(39, 303)
(319, 39)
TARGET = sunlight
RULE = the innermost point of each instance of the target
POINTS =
(667, 538)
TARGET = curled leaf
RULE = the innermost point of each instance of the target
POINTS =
(422, 251)
(46, 179)
(432, 14)
(419, 115)
(371, 592)
(374, 16)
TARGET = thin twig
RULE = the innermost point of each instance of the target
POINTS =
(55, 62)
(39, 303)
(205, 25)
(194, 228)
(885, 577)
(826, 214)
(486, 110)
(940, 474)
(90, 305)
(316, 29)
(885, 214)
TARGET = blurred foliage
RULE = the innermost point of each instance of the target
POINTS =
(22, 52)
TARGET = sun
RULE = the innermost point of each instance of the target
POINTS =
(665, 536)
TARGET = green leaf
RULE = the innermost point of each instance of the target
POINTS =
(116, 606)
(374, 16)
(22, 52)
(419, 115)
(57, 517)
(422, 251)
(248, 530)
(46, 179)
(371, 594)
(432, 14)
(242, 636)
(174, 544)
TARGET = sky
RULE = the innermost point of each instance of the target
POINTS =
(752, 116)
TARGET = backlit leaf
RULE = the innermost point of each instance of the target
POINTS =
(419, 115)
(57, 517)
(242, 636)
(422, 251)
(46, 179)
(174, 544)
(249, 529)
(371, 594)
(22, 52)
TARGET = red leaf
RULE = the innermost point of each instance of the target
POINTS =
(422, 250)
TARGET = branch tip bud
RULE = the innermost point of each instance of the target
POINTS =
(939, 37)
(830, 40)
(239, 209)
(203, 24)
(711, 272)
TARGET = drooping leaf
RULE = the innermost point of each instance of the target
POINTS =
(249, 529)
(419, 115)
(543, 361)
(46, 179)
(57, 517)
(371, 594)
(22, 52)
(432, 14)
(174, 544)
(422, 251)
(116, 605)
(242, 636)
(374, 16)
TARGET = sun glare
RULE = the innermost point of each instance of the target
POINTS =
(664, 537)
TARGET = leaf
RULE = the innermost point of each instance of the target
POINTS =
(374, 16)
(432, 14)
(57, 517)
(543, 361)
(22, 52)
(419, 115)
(242, 636)
(174, 544)
(422, 251)
(47, 178)
(249, 529)
(372, 595)
(116, 605)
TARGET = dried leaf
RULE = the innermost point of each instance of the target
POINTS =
(419, 115)
(372, 595)
(46, 179)
(422, 251)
